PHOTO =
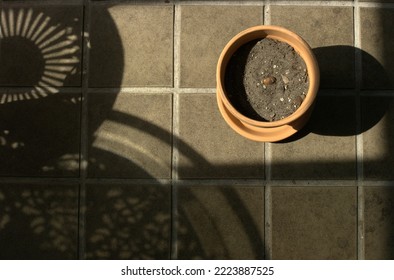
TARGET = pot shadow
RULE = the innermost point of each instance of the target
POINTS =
(336, 115)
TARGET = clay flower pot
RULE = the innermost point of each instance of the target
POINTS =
(266, 131)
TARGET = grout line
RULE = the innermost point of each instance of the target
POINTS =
(170, 90)
(84, 134)
(359, 135)
(132, 2)
(174, 222)
(155, 90)
(313, 3)
(374, 5)
(175, 129)
(194, 182)
(175, 136)
(373, 183)
(223, 3)
(379, 93)
(39, 180)
(360, 222)
(204, 3)
(177, 42)
(267, 13)
(268, 222)
(132, 90)
(128, 181)
(357, 45)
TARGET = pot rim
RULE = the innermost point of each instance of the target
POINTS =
(277, 33)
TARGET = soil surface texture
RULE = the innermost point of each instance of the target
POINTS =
(266, 80)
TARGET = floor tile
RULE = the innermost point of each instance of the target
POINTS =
(314, 223)
(131, 45)
(379, 1)
(205, 30)
(330, 42)
(41, 45)
(209, 148)
(379, 216)
(378, 49)
(324, 148)
(378, 147)
(128, 221)
(38, 221)
(130, 135)
(217, 222)
(40, 137)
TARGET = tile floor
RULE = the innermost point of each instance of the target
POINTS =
(112, 146)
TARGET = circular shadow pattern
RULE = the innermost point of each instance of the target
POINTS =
(40, 54)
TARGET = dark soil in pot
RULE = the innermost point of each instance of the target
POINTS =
(266, 80)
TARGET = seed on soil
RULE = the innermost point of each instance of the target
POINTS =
(285, 79)
(269, 81)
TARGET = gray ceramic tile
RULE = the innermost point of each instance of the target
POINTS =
(205, 30)
(314, 223)
(130, 135)
(142, 1)
(41, 45)
(330, 42)
(378, 147)
(220, 222)
(209, 148)
(128, 222)
(379, 1)
(379, 229)
(131, 45)
(324, 148)
(69, 1)
(38, 221)
(39, 137)
(378, 48)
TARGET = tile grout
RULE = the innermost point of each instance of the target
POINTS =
(170, 90)
(359, 136)
(84, 132)
(200, 3)
(175, 128)
(251, 182)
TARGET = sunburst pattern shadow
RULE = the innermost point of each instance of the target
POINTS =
(39, 53)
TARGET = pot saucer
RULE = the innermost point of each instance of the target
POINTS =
(261, 134)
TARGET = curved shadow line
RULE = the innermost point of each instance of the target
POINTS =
(157, 132)
(246, 220)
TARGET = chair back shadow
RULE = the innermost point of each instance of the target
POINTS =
(40, 134)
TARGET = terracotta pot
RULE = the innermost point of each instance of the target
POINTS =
(266, 131)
